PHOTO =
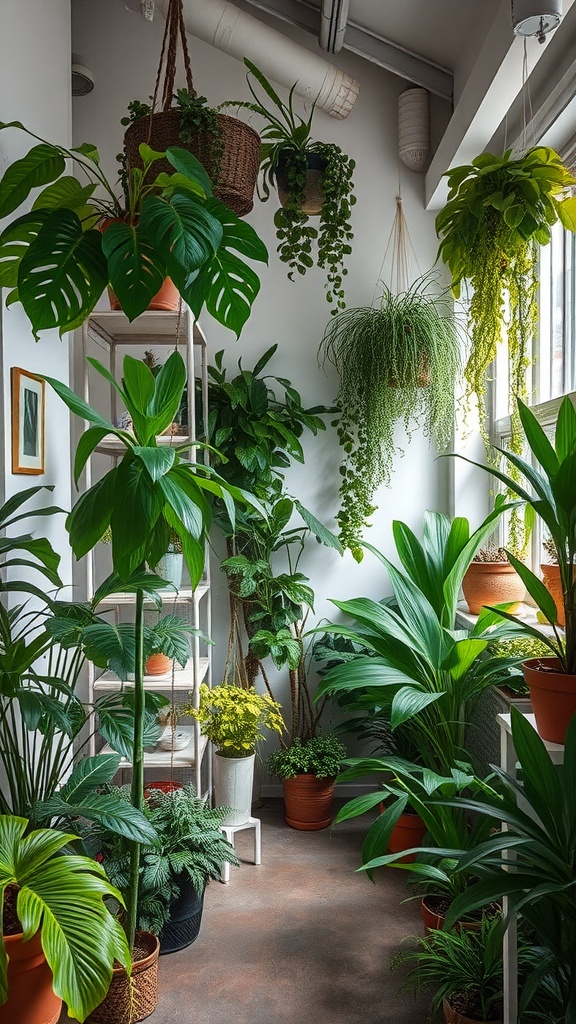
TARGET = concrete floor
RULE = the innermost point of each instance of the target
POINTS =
(301, 938)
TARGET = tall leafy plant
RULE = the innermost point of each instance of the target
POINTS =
(396, 362)
(419, 669)
(150, 491)
(57, 264)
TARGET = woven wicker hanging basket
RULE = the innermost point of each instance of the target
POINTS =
(232, 163)
(239, 153)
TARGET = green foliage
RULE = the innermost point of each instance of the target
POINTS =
(285, 150)
(419, 670)
(62, 895)
(195, 116)
(57, 263)
(499, 211)
(550, 490)
(318, 755)
(399, 361)
(232, 718)
(463, 963)
(190, 846)
(534, 815)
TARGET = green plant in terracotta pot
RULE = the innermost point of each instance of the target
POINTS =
(308, 769)
(56, 262)
(550, 490)
(491, 579)
(232, 718)
(313, 178)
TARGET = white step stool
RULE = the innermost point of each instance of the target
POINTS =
(230, 831)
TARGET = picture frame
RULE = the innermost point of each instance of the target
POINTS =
(28, 422)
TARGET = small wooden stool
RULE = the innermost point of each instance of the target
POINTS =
(230, 831)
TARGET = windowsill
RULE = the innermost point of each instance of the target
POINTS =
(526, 613)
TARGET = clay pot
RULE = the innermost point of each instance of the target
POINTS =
(553, 583)
(31, 998)
(553, 695)
(409, 831)
(313, 193)
(451, 1016)
(489, 583)
(157, 665)
(308, 802)
(132, 999)
(430, 918)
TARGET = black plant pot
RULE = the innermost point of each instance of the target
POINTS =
(185, 917)
(313, 193)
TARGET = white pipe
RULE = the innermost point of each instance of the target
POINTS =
(333, 20)
(231, 30)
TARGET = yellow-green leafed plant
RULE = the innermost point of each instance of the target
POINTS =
(232, 718)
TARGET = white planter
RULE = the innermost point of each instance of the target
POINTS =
(233, 778)
(170, 568)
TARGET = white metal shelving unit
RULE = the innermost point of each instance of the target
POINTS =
(113, 331)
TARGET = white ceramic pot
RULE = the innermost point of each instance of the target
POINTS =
(233, 777)
(170, 568)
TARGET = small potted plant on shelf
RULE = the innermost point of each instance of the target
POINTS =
(312, 178)
(551, 492)
(397, 361)
(232, 718)
(492, 579)
(166, 641)
(164, 226)
(308, 769)
(175, 872)
(171, 565)
(59, 940)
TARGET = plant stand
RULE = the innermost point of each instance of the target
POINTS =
(508, 764)
(230, 831)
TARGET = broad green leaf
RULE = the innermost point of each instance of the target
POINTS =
(187, 164)
(538, 441)
(378, 835)
(42, 164)
(89, 440)
(137, 505)
(168, 387)
(321, 532)
(66, 192)
(14, 243)
(462, 656)
(136, 270)
(139, 383)
(183, 232)
(535, 588)
(565, 437)
(408, 702)
(158, 461)
(91, 514)
(78, 406)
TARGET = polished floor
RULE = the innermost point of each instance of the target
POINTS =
(301, 938)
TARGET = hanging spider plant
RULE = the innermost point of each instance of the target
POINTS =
(397, 361)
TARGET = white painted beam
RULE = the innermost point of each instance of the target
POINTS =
(492, 87)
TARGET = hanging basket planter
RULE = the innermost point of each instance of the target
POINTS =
(230, 160)
(313, 197)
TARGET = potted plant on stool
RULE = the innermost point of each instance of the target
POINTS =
(232, 718)
(308, 769)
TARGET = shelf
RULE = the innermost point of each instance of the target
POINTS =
(112, 445)
(152, 327)
(165, 758)
(168, 595)
(183, 679)
(555, 750)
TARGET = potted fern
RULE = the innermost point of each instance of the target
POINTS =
(397, 361)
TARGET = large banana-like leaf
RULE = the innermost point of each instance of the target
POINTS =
(135, 269)
(62, 273)
(42, 164)
(62, 896)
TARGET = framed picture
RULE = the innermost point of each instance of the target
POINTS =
(27, 422)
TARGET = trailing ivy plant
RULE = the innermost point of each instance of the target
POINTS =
(499, 211)
(287, 148)
(398, 361)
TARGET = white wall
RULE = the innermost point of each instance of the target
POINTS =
(35, 48)
(122, 51)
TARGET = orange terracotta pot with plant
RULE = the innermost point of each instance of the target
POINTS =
(308, 769)
(490, 579)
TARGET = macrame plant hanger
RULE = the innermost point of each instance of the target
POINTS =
(400, 254)
(174, 30)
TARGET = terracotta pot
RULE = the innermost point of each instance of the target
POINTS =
(313, 193)
(166, 299)
(31, 999)
(430, 919)
(157, 665)
(132, 999)
(553, 695)
(451, 1016)
(308, 802)
(408, 831)
(488, 583)
(553, 583)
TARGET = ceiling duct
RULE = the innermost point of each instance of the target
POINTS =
(231, 30)
(333, 21)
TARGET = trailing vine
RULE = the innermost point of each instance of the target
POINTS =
(396, 362)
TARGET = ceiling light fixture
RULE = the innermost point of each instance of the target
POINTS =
(536, 17)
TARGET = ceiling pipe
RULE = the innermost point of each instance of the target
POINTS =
(333, 21)
(231, 30)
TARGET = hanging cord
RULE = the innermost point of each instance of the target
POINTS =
(527, 112)
(173, 29)
(399, 250)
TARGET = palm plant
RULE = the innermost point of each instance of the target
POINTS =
(57, 264)
(422, 671)
(62, 895)
(398, 361)
(150, 491)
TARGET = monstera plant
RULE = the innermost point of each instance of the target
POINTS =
(57, 263)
